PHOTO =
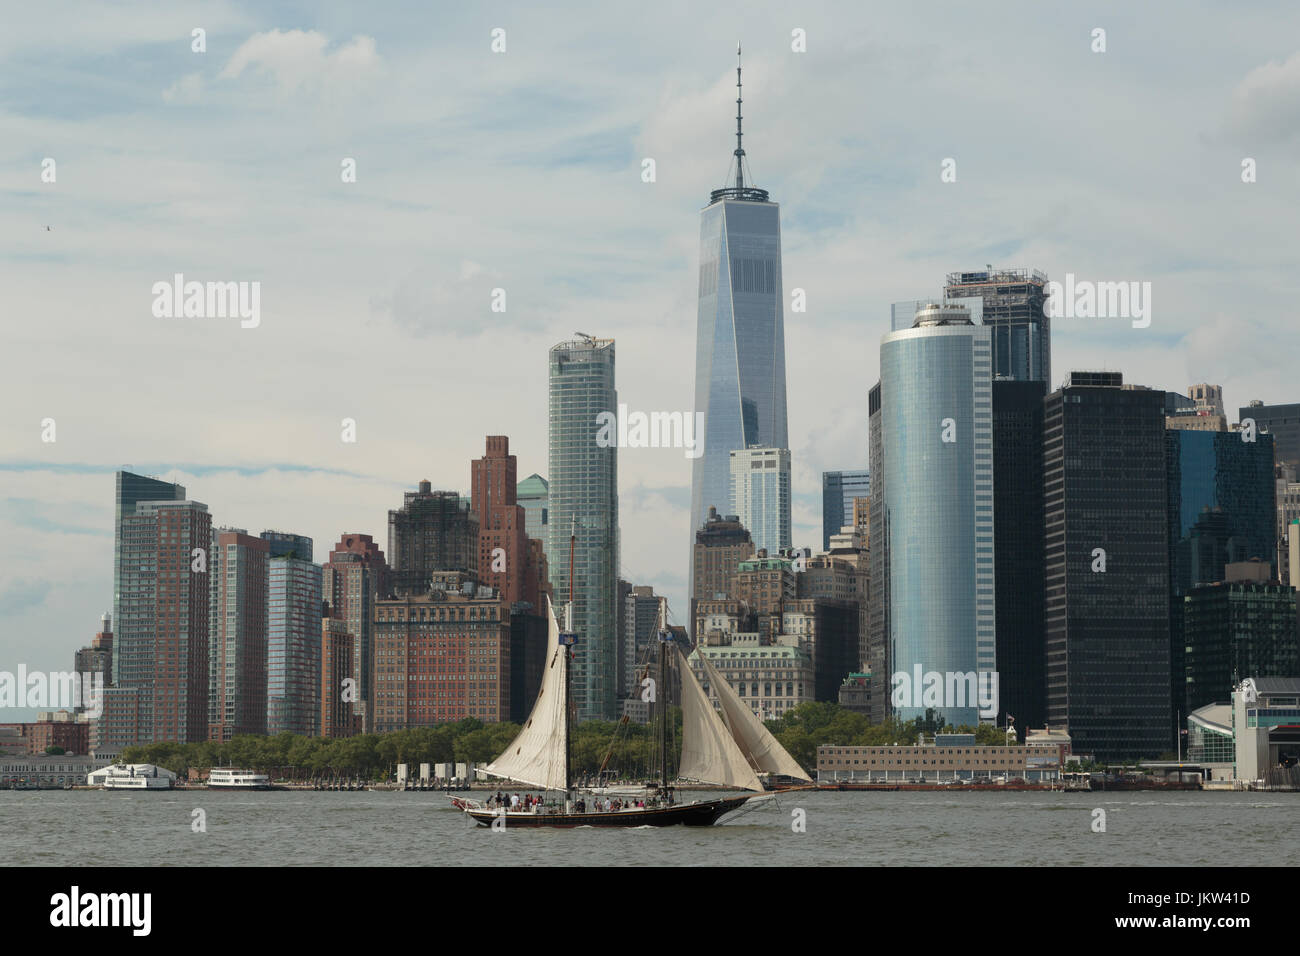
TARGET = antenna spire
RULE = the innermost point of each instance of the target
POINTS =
(740, 151)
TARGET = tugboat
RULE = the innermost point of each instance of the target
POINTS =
(728, 750)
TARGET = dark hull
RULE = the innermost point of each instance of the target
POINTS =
(702, 814)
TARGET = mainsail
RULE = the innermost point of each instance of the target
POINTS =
(536, 755)
(764, 751)
(709, 754)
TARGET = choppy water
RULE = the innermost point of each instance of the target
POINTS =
(79, 828)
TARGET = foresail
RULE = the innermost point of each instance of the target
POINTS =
(709, 754)
(536, 755)
(764, 751)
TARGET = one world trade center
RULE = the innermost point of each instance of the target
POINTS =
(740, 337)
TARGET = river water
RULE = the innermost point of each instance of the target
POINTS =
(80, 828)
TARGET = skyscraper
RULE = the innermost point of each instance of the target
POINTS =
(721, 543)
(937, 435)
(1282, 422)
(1221, 510)
(160, 613)
(237, 697)
(878, 656)
(584, 502)
(740, 332)
(760, 495)
(1012, 303)
(1018, 549)
(505, 560)
(355, 575)
(95, 662)
(293, 640)
(1107, 566)
(432, 531)
(533, 496)
(839, 490)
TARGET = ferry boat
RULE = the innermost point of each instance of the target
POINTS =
(132, 776)
(225, 778)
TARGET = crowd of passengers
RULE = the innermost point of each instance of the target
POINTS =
(527, 803)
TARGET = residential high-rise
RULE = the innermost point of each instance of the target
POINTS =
(1012, 303)
(839, 491)
(337, 684)
(937, 442)
(740, 334)
(237, 697)
(293, 644)
(584, 502)
(640, 620)
(160, 613)
(760, 495)
(355, 575)
(95, 662)
(441, 656)
(1282, 422)
(432, 531)
(720, 545)
(505, 560)
(1107, 566)
(1018, 549)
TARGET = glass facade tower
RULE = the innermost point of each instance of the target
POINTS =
(839, 489)
(740, 334)
(937, 435)
(583, 500)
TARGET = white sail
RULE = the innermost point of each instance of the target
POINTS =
(709, 754)
(764, 751)
(536, 755)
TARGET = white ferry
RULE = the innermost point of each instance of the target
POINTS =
(132, 776)
(224, 778)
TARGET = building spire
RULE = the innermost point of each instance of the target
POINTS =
(740, 151)
(739, 191)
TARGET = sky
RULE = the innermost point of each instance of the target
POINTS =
(522, 170)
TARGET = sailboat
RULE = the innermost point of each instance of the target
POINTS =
(728, 749)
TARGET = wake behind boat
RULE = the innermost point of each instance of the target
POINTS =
(728, 749)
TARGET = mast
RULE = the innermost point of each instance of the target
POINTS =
(740, 152)
(568, 639)
(661, 699)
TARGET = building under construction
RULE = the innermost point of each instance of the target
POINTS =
(1013, 302)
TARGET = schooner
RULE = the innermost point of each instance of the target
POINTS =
(729, 747)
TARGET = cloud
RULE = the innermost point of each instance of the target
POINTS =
(188, 89)
(23, 595)
(298, 61)
(1266, 103)
(447, 300)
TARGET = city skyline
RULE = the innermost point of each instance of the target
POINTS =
(268, 459)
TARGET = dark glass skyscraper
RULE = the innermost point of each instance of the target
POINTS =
(740, 335)
(1283, 423)
(1012, 301)
(1107, 566)
(1221, 510)
(839, 488)
(1018, 548)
